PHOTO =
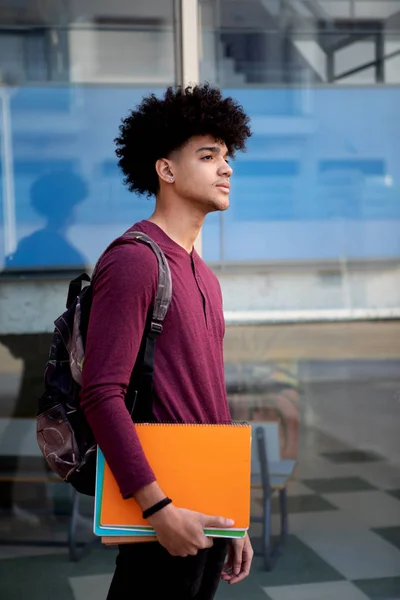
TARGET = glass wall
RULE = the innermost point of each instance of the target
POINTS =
(308, 256)
(68, 73)
(317, 194)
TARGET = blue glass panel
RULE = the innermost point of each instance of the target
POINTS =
(69, 200)
(320, 179)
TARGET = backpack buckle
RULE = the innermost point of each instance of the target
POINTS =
(155, 328)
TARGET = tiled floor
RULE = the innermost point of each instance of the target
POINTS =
(344, 524)
(344, 543)
(316, 591)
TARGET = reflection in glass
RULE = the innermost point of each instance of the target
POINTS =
(54, 196)
(314, 201)
(68, 71)
(300, 42)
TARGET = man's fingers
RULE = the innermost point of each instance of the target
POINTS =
(237, 578)
(242, 574)
(240, 559)
(237, 558)
(236, 567)
(217, 522)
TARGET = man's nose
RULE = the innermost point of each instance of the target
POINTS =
(226, 169)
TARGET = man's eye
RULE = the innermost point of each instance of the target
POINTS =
(207, 157)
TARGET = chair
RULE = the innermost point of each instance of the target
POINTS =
(18, 441)
(271, 474)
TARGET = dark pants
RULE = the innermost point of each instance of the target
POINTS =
(148, 571)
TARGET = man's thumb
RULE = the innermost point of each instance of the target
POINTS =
(217, 522)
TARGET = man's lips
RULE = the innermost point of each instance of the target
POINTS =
(224, 186)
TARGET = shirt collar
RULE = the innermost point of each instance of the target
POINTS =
(160, 237)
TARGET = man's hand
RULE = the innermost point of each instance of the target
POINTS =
(180, 531)
(240, 555)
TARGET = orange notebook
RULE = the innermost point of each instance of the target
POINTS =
(201, 467)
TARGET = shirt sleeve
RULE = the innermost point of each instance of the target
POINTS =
(124, 290)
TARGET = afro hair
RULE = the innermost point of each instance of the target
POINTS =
(160, 125)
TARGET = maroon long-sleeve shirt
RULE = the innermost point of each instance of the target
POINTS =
(189, 381)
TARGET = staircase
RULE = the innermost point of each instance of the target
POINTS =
(277, 41)
(257, 37)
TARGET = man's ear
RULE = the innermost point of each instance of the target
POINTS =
(164, 170)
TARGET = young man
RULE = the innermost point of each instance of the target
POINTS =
(175, 148)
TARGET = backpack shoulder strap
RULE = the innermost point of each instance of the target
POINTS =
(164, 286)
(139, 395)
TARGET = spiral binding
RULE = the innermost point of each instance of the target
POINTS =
(166, 423)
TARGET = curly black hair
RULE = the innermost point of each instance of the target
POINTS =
(160, 125)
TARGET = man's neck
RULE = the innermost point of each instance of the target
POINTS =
(182, 227)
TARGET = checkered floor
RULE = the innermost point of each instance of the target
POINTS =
(344, 542)
(344, 532)
(344, 507)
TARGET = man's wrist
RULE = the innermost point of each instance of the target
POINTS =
(149, 495)
(165, 515)
(152, 510)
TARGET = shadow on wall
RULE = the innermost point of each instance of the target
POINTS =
(55, 197)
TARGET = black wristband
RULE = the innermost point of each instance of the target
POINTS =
(156, 507)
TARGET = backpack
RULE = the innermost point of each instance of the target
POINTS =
(63, 434)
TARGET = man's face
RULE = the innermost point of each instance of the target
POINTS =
(202, 173)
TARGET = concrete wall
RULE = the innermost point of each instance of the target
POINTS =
(260, 294)
(333, 288)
